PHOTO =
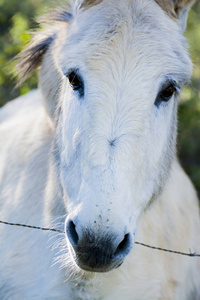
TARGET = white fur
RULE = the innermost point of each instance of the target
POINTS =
(124, 50)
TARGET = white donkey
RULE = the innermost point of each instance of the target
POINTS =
(95, 146)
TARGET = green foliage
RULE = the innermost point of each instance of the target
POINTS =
(18, 17)
(189, 110)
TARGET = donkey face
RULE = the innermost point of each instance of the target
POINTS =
(117, 127)
(121, 66)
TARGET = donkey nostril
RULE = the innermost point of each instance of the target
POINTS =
(72, 233)
(124, 246)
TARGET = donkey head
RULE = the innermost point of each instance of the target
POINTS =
(111, 75)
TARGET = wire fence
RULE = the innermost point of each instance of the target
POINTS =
(191, 254)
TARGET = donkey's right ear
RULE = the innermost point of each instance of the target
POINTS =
(176, 9)
(30, 58)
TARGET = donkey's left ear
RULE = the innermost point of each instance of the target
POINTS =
(30, 58)
(177, 9)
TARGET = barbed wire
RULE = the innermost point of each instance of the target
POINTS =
(33, 227)
(138, 243)
(170, 251)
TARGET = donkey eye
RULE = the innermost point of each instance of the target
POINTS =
(166, 94)
(76, 82)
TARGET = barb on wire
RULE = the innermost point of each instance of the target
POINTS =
(141, 244)
(167, 250)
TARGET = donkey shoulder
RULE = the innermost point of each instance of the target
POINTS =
(17, 107)
(25, 139)
(19, 121)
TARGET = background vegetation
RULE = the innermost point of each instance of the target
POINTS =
(18, 17)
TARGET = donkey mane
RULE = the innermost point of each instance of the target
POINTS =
(31, 57)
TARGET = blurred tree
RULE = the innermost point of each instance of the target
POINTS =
(189, 109)
(18, 17)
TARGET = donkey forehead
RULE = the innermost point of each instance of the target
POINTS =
(135, 29)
